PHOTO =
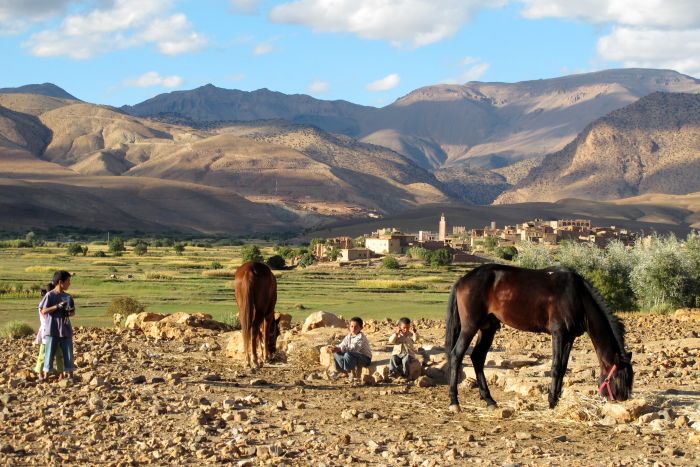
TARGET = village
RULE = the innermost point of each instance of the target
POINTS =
(465, 244)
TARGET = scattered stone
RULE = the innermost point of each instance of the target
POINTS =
(425, 382)
(141, 379)
(504, 413)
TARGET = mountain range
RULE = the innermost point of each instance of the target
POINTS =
(216, 160)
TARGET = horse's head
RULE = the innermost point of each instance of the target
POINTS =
(616, 383)
(273, 334)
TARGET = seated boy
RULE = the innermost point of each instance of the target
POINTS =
(354, 350)
(403, 340)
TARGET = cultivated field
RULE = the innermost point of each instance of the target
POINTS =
(167, 283)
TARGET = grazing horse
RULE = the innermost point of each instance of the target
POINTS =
(256, 295)
(556, 301)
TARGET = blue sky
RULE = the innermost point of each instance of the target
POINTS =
(366, 51)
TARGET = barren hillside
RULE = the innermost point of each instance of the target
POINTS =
(651, 146)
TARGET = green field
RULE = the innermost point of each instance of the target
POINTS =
(167, 283)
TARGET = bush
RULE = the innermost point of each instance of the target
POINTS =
(74, 249)
(506, 252)
(276, 262)
(116, 246)
(99, 254)
(417, 252)
(16, 330)
(179, 248)
(490, 243)
(662, 278)
(440, 257)
(124, 306)
(251, 253)
(140, 248)
(333, 253)
(307, 260)
(216, 265)
(233, 321)
(285, 252)
(389, 262)
(534, 256)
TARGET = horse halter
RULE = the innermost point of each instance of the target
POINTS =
(606, 383)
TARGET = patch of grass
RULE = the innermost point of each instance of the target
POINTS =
(391, 284)
(16, 330)
(185, 264)
(159, 275)
(41, 269)
(219, 273)
(108, 262)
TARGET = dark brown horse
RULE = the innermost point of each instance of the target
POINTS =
(256, 295)
(556, 301)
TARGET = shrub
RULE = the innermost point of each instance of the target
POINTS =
(584, 258)
(506, 252)
(276, 262)
(358, 242)
(124, 306)
(440, 257)
(490, 243)
(333, 253)
(251, 253)
(307, 260)
(140, 248)
(116, 246)
(99, 254)
(233, 321)
(216, 265)
(417, 252)
(158, 275)
(16, 330)
(285, 252)
(179, 248)
(389, 262)
(662, 277)
(534, 256)
(74, 249)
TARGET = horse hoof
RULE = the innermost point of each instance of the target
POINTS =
(491, 405)
(454, 408)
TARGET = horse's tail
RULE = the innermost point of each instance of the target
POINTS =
(246, 302)
(453, 324)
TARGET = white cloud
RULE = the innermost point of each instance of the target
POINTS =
(645, 33)
(17, 15)
(264, 48)
(384, 84)
(472, 69)
(319, 87)
(401, 22)
(124, 24)
(248, 7)
(153, 78)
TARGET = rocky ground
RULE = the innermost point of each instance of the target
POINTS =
(180, 400)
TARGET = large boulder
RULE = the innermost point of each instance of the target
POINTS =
(136, 320)
(284, 321)
(323, 319)
(234, 345)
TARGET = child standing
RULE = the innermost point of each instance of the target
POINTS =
(403, 340)
(41, 340)
(354, 350)
(57, 307)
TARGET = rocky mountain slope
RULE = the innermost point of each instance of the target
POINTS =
(650, 146)
(486, 124)
(46, 89)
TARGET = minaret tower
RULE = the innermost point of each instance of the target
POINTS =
(442, 228)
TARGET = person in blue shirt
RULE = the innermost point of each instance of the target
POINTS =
(57, 306)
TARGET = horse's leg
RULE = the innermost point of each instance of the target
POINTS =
(561, 347)
(483, 344)
(456, 356)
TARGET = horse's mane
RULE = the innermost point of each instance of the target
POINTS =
(616, 325)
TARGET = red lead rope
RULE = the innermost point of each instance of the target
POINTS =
(606, 383)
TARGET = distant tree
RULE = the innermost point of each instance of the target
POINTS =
(276, 262)
(389, 262)
(440, 257)
(140, 248)
(74, 249)
(30, 237)
(417, 252)
(490, 243)
(116, 246)
(252, 253)
(307, 260)
(285, 252)
(358, 242)
(179, 248)
(506, 252)
(333, 253)
(85, 250)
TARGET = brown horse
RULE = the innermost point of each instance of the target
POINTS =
(556, 301)
(256, 295)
